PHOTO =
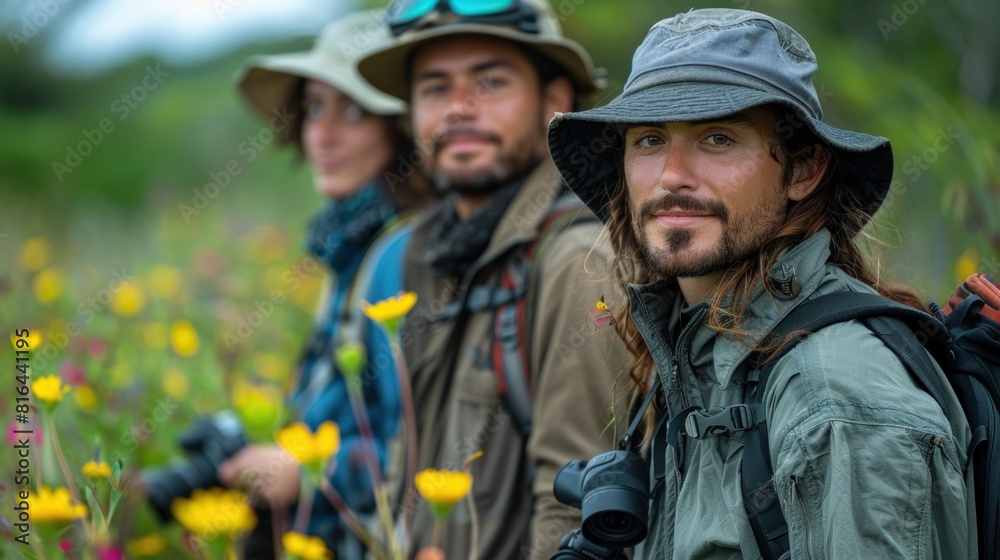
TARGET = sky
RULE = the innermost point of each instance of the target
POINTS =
(105, 33)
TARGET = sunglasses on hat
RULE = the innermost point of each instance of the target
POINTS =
(405, 15)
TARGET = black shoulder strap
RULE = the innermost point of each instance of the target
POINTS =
(905, 330)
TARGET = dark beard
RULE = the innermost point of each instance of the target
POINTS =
(510, 166)
(739, 240)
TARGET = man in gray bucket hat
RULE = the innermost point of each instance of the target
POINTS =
(730, 203)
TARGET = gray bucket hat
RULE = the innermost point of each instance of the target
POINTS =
(266, 82)
(387, 68)
(701, 65)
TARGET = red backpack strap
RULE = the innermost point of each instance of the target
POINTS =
(510, 358)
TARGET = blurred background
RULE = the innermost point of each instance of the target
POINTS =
(151, 231)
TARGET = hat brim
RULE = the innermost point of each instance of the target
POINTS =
(586, 145)
(267, 82)
(388, 68)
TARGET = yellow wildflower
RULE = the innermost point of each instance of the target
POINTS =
(85, 398)
(967, 265)
(389, 312)
(155, 335)
(165, 282)
(307, 448)
(31, 342)
(97, 471)
(48, 285)
(175, 383)
(307, 294)
(271, 366)
(34, 253)
(49, 389)
(183, 338)
(209, 513)
(443, 489)
(146, 546)
(305, 547)
(54, 506)
(128, 300)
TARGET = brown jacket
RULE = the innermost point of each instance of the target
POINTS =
(573, 368)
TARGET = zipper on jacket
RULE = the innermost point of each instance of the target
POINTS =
(795, 503)
(682, 451)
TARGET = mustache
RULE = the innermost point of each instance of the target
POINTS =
(451, 133)
(686, 203)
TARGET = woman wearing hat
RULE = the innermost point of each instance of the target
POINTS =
(347, 133)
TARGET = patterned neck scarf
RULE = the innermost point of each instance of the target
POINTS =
(341, 232)
(453, 245)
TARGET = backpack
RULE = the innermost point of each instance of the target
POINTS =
(966, 345)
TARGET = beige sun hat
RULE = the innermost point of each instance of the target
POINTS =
(266, 82)
(387, 68)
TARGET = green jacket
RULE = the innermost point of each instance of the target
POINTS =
(866, 464)
(572, 368)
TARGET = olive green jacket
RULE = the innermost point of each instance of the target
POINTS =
(572, 367)
(866, 464)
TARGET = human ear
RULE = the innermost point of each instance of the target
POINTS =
(557, 97)
(808, 173)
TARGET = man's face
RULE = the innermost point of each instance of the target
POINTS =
(704, 195)
(478, 109)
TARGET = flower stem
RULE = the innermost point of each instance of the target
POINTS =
(437, 539)
(474, 519)
(63, 466)
(348, 516)
(371, 460)
(410, 420)
(304, 509)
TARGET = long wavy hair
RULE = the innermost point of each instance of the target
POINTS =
(832, 205)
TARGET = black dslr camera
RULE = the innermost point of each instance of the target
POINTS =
(612, 490)
(211, 441)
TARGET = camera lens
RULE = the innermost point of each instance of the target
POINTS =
(615, 503)
(614, 522)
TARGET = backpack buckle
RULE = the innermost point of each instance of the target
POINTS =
(718, 421)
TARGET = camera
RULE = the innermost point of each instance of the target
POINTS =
(209, 443)
(574, 545)
(612, 491)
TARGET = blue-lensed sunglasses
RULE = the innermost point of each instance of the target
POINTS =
(406, 14)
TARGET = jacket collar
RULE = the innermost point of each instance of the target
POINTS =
(654, 308)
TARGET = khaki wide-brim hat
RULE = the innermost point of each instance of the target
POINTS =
(387, 68)
(267, 82)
